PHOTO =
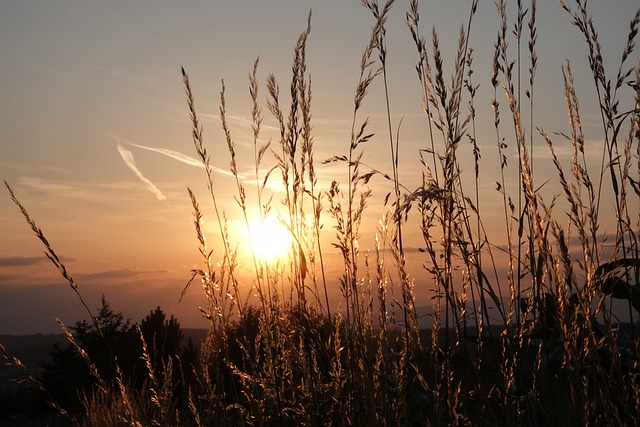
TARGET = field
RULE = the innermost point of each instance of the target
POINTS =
(533, 324)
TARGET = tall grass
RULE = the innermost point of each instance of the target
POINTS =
(536, 342)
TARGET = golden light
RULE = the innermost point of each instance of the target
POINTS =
(271, 241)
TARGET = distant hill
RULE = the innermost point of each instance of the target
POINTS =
(34, 350)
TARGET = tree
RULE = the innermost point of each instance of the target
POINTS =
(113, 345)
(164, 340)
(163, 337)
(110, 343)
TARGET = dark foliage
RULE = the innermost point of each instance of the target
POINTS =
(114, 346)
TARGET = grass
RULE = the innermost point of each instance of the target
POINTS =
(537, 343)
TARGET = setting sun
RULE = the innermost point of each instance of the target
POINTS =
(270, 239)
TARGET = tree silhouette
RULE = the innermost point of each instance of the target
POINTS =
(164, 340)
(115, 341)
(163, 337)
(114, 346)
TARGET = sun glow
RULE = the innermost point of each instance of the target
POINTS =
(270, 239)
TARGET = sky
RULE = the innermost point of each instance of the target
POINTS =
(95, 137)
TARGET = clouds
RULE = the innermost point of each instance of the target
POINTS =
(129, 160)
(19, 261)
(121, 273)
(188, 160)
(33, 293)
(183, 158)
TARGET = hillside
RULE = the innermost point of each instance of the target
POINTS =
(34, 350)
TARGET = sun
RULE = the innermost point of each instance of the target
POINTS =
(270, 239)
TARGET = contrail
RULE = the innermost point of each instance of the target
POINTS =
(182, 158)
(127, 158)
(173, 154)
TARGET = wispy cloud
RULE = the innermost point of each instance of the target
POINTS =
(118, 73)
(241, 122)
(129, 160)
(33, 168)
(173, 154)
(19, 261)
(86, 191)
(122, 273)
(181, 158)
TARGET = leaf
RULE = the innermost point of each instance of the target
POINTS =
(366, 177)
(333, 159)
(607, 267)
(303, 264)
(619, 288)
(616, 288)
